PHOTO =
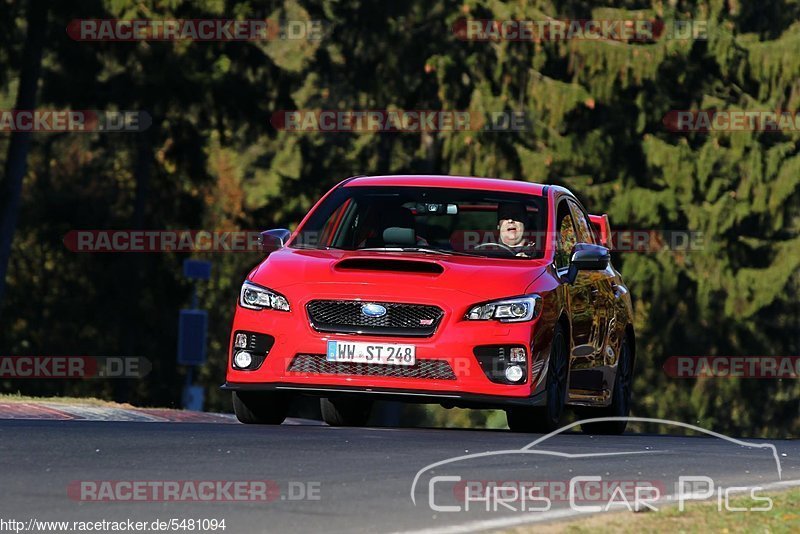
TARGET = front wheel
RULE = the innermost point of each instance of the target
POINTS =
(548, 418)
(260, 407)
(620, 401)
(345, 411)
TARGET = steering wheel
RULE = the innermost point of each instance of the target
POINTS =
(501, 246)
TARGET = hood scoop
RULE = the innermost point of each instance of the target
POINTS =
(389, 265)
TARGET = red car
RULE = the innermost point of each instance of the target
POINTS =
(468, 292)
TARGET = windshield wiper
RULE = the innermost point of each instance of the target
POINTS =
(315, 247)
(424, 250)
(427, 250)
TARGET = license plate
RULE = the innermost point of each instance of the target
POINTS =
(379, 353)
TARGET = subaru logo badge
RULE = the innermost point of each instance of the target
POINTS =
(373, 310)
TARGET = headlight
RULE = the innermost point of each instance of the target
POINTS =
(255, 297)
(513, 310)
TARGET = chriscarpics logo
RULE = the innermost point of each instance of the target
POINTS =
(554, 477)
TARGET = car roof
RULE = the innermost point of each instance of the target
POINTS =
(456, 182)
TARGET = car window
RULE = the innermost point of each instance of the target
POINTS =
(453, 221)
(584, 231)
(329, 229)
(567, 238)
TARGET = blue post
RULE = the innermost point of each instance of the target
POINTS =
(192, 331)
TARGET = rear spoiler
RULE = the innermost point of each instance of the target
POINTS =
(603, 228)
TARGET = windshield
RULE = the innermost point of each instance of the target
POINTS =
(428, 220)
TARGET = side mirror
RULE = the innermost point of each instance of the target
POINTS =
(586, 257)
(272, 240)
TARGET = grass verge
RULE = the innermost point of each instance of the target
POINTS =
(697, 517)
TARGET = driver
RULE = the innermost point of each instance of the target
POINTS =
(512, 220)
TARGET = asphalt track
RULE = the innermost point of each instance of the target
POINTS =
(363, 476)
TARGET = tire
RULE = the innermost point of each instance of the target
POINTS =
(345, 411)
(547, 418)
(620, 401)
(260, 408)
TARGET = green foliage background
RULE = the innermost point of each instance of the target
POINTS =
(212, 160)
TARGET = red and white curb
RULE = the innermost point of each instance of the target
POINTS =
(57, 411)
(83, 412)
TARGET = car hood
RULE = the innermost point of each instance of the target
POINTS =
(321, 269)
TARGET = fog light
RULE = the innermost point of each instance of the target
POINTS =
(514, 373)
(241, 341)
(243, 359)
(517, 354)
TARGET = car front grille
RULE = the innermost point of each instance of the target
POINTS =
(345, 316)
(317, 364)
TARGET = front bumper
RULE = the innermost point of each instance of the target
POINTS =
(453, 342)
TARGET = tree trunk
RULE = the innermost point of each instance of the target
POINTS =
(19, 144)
